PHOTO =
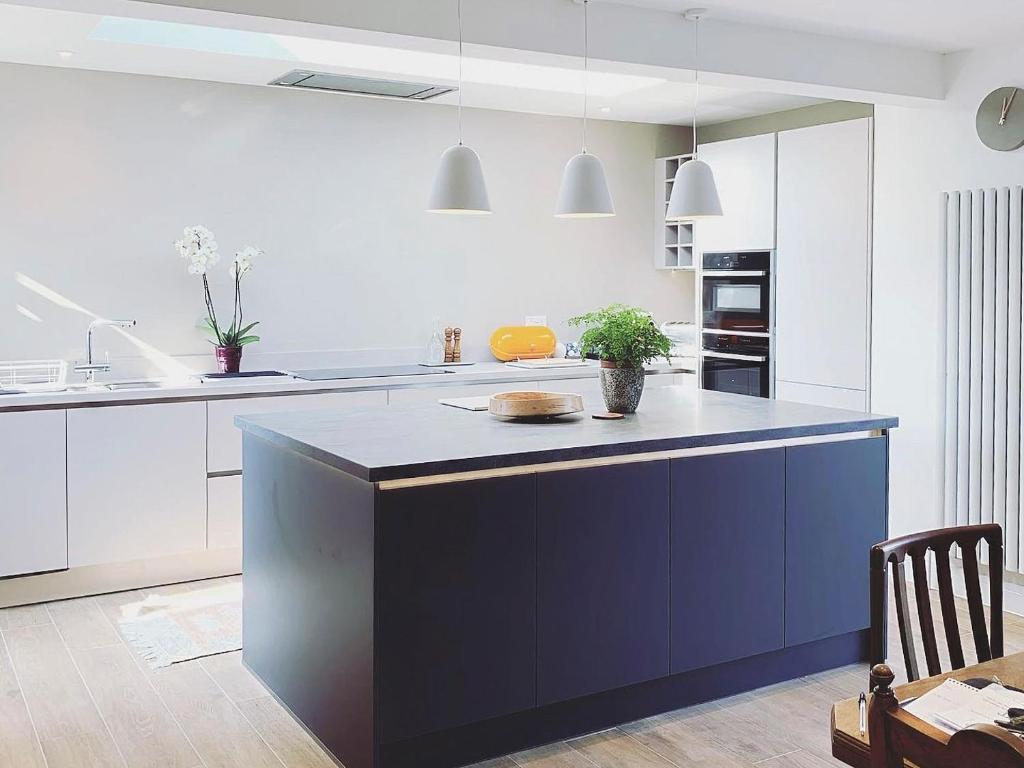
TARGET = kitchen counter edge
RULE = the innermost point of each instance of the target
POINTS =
(490, 373)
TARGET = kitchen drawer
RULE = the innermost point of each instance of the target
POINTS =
(416, 395)
(224, 512)
(743, 381)
(224, 440)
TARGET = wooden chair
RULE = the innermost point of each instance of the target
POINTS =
(897, 737)
(894, 553)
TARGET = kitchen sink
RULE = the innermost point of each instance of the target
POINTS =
(118, 385)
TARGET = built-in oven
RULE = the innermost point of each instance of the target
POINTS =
(736, 291)
(736, 363)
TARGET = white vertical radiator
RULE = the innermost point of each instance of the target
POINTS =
(984, 333)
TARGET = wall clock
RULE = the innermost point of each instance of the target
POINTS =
(1000, 120)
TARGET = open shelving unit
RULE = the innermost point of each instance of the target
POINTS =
(675, 248)
(674, 243)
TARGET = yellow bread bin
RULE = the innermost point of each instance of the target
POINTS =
(523, 342)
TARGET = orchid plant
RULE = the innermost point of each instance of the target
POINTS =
(200, 250)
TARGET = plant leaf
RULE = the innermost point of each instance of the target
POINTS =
(622, 334)
(247, 340)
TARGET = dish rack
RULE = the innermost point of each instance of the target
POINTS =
(34, 375)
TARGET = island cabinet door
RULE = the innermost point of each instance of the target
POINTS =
(835, 511)
(728, 557)
(602, 609)
(456, 603)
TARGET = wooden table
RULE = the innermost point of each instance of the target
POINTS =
(852, 747)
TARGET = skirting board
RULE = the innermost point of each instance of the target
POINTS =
(117, 577)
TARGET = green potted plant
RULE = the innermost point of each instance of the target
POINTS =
(199, 248)
(625, 339)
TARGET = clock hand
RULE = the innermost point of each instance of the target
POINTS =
(1007, 103)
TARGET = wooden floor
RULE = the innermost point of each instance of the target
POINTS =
(74, 695)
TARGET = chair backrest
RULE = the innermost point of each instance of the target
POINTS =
(894, 552)
(897, 737)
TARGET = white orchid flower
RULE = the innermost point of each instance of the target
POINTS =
(243, 260)
(199, 248)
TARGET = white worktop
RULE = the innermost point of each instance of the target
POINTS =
(77, 396)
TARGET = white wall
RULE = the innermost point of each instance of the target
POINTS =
(99, 173)
(919, 153)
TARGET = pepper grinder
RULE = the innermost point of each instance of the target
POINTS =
(449, 351)
(457, 350)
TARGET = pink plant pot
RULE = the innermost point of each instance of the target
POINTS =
(229, 359)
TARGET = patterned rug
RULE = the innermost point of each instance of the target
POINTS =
(169, 628)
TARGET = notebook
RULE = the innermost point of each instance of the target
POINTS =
(954, 705)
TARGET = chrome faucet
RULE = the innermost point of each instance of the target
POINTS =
(89, 368)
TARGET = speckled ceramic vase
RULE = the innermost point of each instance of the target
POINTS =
(621, 387)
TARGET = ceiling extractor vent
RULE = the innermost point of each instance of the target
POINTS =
(362, 86)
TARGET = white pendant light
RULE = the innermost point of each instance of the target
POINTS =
(694, 193)
(459, 184)
(584, 193)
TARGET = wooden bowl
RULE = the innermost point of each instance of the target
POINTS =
(534, 405)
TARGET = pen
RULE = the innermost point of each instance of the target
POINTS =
(862, 704)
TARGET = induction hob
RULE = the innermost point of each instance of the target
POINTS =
(365, 372)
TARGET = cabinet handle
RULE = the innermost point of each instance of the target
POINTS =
(734, 356)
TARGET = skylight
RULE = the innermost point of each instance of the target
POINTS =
(364, 59)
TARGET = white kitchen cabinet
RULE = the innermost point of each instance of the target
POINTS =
(687, 380)
(830, 397)
(224, 517)
(136, 482)
(822, 261)
(590, 389)
(745, 174)
(33, 513)
(415, 395)
(225, 439)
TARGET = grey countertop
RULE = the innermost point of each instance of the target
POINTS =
(395, 443)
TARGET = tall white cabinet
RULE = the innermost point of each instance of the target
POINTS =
(822, 268)
(745, 175)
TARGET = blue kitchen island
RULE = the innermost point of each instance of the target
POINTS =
(427, 586)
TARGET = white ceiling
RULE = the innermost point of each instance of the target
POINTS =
(934, 25)
(493, 78)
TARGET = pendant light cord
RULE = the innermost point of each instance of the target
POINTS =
(459, 14)
(586, 67)
(696, 79)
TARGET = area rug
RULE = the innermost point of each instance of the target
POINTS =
(178, 626)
